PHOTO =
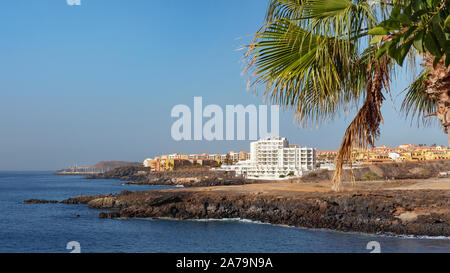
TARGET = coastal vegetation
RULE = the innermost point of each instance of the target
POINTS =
(322, 57)
(371, 176)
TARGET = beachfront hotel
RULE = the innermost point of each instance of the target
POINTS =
(274, 158)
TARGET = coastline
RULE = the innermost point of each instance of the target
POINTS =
(402, 208)
(425, 237)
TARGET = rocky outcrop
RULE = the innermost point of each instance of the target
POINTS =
(122, 173)
(84, 199)
(399, 212)
(104, 202)
(99, 167)
(39, 201)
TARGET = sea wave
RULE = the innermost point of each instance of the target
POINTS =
(425, 237)
(230, 220)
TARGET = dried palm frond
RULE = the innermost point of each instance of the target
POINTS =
(364, 129)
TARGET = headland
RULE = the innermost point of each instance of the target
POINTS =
(415, 206)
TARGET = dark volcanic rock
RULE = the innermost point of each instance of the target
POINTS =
(39, 201)
(400, 212)
(413, 212)
(84, 199)
(109, 215)
(122, 173)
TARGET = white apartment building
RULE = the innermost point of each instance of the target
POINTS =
(274, 158)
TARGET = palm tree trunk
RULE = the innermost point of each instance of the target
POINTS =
(438, 88)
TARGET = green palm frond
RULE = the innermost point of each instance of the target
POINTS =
(318, 57)
(284, 9)
(416, 103)
(310, 62)
(317, 9)
(306, 72)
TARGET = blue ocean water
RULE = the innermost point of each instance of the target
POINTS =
(49, 227)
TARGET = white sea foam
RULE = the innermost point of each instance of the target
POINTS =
(229, 220)
(425, 237)
(405, 236)
(248, 221)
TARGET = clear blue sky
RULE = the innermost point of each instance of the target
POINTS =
(80, 84)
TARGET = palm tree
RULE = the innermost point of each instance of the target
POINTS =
(228, 160)
(322, 57)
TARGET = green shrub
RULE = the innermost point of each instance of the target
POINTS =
(370, 176)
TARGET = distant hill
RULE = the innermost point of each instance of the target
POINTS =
(100, 167)
(109, 165)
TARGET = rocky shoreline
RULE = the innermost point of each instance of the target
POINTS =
(412, 212)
